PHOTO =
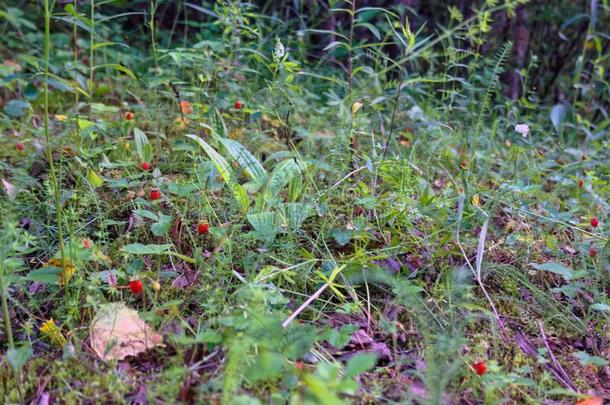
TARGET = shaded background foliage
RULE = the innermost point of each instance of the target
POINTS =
(551, 34)
(477, 69)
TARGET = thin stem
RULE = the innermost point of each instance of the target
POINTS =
(75, 62)
(7, 321)
(354, 139)
(153, 11)
(47, 135)
(393, 117)
(91, 43)
(351, 45)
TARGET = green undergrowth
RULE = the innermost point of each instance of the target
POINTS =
(430, 233)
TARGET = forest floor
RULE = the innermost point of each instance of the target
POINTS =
(225, 239)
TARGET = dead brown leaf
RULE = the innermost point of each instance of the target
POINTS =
(118, 332)
(591, 401)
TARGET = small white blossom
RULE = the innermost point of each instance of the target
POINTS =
(523, 129)
(416, 113)
(279, 51)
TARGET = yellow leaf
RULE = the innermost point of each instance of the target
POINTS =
(53, 333)
(66, 272)
(356, 107)
(93, 179)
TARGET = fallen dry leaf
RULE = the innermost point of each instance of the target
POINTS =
(118, 332)
(9, 188)
(591, 401)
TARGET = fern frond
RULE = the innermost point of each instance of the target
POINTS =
(494, 82)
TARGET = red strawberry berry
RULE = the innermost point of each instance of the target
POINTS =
(592, 251)
(86, 243)
(155, 195)
(238, 105)
(19, 147)
(594, 222)
(136, 286)
(203, 228)
(479, 367)
(145, 166)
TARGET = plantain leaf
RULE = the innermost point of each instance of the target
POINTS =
(246, 160)
(226, 172)
(140, 249)
(266, 225)
(295, 214)
(283, 173)
(45, 275)
(143, 147)
(558, 268)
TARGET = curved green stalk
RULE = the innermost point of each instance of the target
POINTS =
(7, 321)
(54, 183)
(91, 43)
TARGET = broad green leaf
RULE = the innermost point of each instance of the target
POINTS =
(70, 9)
(360, 363)
(342, 236)
(182, 190)
(65, 85)
(282, 174)
(295, 214)
(558, 268)
(162, 226)
(140, 249)
(246, 160)
(600, 307)
(78, 22)
(226, 172)
(266, 224)
(143, 147)
(265, 366)
(84, 124)
(340, 337)
(45, 275)
(18, 357)
(93, 179)
(16, 108)
(147, 214)
(254, 186)
(207, 176)
(103, 108)
(586, 359)
(218, 124)
(30, 92)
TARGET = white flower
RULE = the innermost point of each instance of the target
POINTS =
(279, 51)
(523, 129)
(416, 113)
